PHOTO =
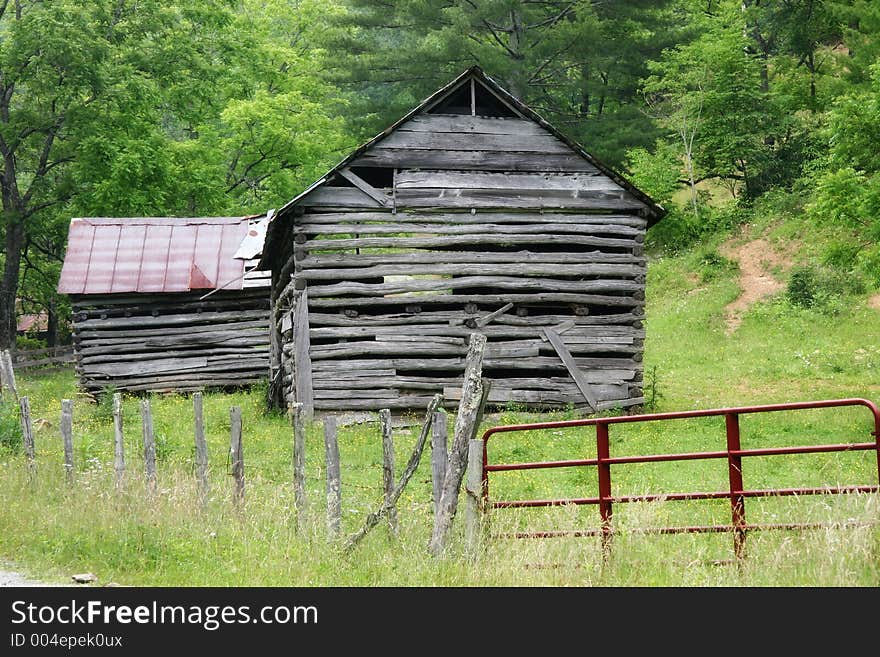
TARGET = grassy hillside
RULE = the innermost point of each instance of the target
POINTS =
(778, 352)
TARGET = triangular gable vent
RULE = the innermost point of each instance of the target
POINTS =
(475, 99)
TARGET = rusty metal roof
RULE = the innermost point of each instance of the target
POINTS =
(153, 254)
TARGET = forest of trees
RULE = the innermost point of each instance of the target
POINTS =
(231, 107)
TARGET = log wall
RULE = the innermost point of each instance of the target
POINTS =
(449, 225)
(172, 341)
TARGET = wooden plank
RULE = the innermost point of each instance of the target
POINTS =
(486, 319)
(619, 368)
(376, 393)
(300, 501)
(333, 489)
(402, 402)
(319, 374)
(432, 319)
(149, 440)
(474, 141)
(565, 395)
(420, 339)
(364, 186)
(403, 158)
(558, 259)
(7, 374)
(149, 367)
(388, 468)
(118, 442)
(469, 228)
(302, 363)
(439, 455)
(370, 348)
(153, 365)
(67, 438)
(236, 452)
(177, 385)
(489, 269)
(27, 432)
(106, 337)
(183, 319)
(139, 299)
(474, 488)
(338, 197)
(467, 240)
(465, 282)
(201, 447)
(572, 367)
(423, 179)
(590, 220)
(472, 124)
(230, 344)
(493, 198)
(215, 363)
(626, 301)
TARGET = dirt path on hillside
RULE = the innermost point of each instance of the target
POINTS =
(874, 302)
(756, 259)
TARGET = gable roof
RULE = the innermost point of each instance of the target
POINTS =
(654, 210)
(153, 254)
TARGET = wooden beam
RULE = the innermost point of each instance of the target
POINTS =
(571, 366)
(364, 186)
(485, 319)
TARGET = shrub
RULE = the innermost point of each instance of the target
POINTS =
(821, 288)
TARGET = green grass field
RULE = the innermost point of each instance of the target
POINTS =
(780, 353)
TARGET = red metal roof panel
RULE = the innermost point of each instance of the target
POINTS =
(102, 260)
(152, 254)
(155, 259)
(76, 262)
(180, 256)
(128, 258)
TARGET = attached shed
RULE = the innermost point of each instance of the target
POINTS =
(471, 213)
(165, 304)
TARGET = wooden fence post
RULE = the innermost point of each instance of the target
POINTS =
(334, 497)
(474, 501)
(201, 456)
(299, 464)
(469, 409)
(237, 456)
(27, 433)
(118, 441)
(439, 455)
(67, 437)
(7, 374)
(149, 444)
(388, 467)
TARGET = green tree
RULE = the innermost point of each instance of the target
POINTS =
(847, 185)
(577, 62)
(139, 108)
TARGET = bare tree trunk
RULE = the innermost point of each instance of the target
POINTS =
(9, 285)
(52, 325)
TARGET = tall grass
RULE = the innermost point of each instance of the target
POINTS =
(780, 353)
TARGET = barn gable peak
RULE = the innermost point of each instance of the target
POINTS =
(473, 126)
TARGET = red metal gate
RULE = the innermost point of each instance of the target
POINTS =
(734, 454)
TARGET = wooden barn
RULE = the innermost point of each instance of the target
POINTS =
(164, 303)
(471, 213)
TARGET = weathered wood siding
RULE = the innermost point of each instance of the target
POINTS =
(481, 224)
(171, 341)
